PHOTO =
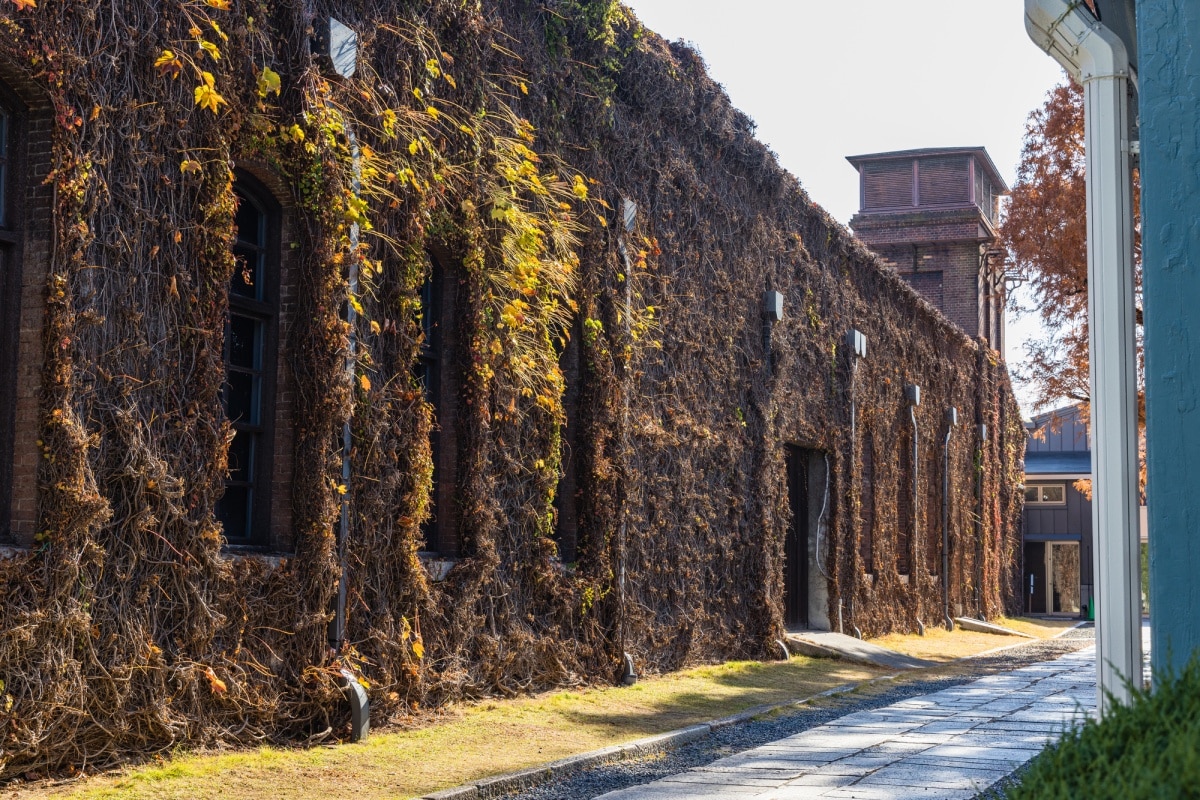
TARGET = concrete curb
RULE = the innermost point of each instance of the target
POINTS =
(532, 776)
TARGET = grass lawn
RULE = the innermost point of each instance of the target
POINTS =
(470, 741)
(943, 646)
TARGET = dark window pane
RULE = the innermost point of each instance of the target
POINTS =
(1031, 494)
(427, 312)
(233, 511)
(245, 349)
(1053, 494)
(247, 274)
(241, 457)
(249, 222)
(240, 405)
(3, 167)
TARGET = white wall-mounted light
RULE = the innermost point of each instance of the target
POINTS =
(856, 343)
(336, 44)
(773, 305)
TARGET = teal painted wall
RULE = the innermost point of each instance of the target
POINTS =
(1169, 78)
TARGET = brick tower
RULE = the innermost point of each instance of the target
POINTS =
(932, 215)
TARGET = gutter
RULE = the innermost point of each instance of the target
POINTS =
(1097, 58)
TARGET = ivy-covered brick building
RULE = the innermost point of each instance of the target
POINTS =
(458, 347)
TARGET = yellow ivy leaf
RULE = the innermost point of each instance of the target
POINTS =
(418, 648)
(579, 188)
(364, 382)
(206, 93)
(268, 82)
(389, 123)
(431, 66)
(341, 488)
(450, 80)
(433, 112)
(524, 88)
(189, 165)
(375, 329)
(220, 5)
(211, 49)
(224, 36)
(414, 147)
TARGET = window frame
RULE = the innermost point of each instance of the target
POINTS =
(1041, 500)
(264, 310)
(14, 184)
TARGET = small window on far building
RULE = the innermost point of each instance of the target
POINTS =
(1046, 494)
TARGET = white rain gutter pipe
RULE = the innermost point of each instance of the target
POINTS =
(1095, 57)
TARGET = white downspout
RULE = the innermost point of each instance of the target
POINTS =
(1098, 60)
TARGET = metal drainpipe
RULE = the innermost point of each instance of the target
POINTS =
(1097, 58)
(912, 396)
(951, 421)
(855, 482)
(629, 216)
(337, 631)
(360, 714)
(915, 567)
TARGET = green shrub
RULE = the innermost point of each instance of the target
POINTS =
(1149, 749)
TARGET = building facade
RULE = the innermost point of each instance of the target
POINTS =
(1057, 520)
(459, 366)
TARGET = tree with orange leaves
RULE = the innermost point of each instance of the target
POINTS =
(1045, 231)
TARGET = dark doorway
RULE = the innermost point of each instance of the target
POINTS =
(1035, 578)
(796, 545)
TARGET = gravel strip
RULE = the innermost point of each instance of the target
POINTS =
(595, 781)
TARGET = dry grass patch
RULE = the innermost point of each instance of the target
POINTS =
(943, 646)
(471, 741)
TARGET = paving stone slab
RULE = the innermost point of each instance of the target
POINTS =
(948, 745)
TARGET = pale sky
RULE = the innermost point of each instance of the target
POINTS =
(825, 79)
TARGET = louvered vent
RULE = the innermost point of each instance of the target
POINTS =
(887, 185)
(945, 181)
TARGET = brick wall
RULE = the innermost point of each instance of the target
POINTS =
(938, 253)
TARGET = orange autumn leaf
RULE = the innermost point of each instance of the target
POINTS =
(24, 4)
(216, 684)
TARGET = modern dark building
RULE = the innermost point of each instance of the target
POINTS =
(1057, 534)
(932, 215)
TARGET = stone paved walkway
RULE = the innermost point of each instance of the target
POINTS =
(949, 745)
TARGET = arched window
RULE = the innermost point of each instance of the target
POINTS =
(248, 396)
